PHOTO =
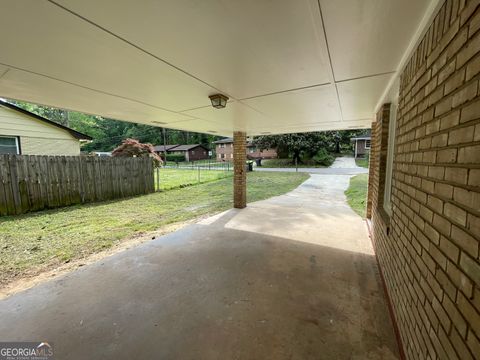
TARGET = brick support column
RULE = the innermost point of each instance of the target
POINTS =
(240, 174)
(371, 170)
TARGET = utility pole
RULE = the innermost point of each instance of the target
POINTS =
(66, 118)
(164, 145)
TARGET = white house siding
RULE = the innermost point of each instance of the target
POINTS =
(42, 146)
(36, 136)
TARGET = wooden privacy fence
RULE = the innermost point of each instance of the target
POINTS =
(32, 183)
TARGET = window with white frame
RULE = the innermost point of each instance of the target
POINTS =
(9, 145)
(387, 196)
(367, 144)
(222, 145)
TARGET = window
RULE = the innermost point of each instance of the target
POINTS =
(193, 152)
(252, 150)
(231, 156)
(367, 144)
(222, 156)
(9, 145)
(222, 145)
(387, 196)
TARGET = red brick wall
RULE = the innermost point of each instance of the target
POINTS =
(198, 153)
(227, 152)
(428, 248)
(264, 154)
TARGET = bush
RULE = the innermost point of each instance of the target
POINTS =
(134, 148)
(322, 157)
(175, 157)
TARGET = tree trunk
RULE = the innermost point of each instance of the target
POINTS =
(164, 146)
(296, 157)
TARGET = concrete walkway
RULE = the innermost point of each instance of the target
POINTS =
(341, 166)
(292, 277)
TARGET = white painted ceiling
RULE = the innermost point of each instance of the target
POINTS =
(287, 65)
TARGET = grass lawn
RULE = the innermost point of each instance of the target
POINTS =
(287, 163)
(362, 163)
(357, 193)
(176, 178)
(42, 240)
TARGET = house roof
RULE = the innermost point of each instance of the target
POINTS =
(224, 141)
(230, 140)
(177, 147)
(361, 138)
(164, 147)
(188, 147)
(74, 133)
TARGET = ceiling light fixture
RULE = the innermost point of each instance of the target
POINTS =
(219, 101)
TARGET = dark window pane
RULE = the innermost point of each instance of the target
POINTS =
(8, 145)
(8, 141)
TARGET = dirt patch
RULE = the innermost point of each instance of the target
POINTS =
(39, 275)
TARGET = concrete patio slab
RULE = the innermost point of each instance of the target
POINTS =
(292, 277)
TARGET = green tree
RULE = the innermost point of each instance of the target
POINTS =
(307, 144)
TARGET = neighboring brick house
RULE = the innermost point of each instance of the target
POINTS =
(191, 152)
(361, 145)
(224, 150)
(424, 190)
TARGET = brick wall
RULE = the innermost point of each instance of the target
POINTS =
(428, 249)
(255, 152)
(224, 153)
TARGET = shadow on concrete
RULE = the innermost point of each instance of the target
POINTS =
(211, 292)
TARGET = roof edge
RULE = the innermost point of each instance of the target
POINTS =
(76, 134)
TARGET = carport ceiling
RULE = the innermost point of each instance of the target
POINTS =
(287, 65)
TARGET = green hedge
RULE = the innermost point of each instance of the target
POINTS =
(323, 157)
(175, 157)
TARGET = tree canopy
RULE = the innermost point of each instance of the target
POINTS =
(299, 145)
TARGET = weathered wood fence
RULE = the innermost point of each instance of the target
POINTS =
(32, 183)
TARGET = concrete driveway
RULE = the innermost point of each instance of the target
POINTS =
(341, 166)
(292, 277)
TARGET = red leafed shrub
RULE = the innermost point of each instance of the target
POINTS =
(134, 148)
